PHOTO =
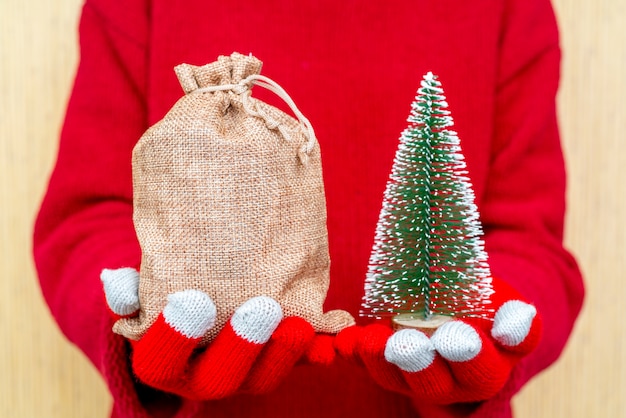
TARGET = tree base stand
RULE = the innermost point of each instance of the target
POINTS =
(427, 326)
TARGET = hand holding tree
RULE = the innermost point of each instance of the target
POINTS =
(428, 261)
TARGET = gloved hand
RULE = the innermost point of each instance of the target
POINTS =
(465, 360)
(254, 351)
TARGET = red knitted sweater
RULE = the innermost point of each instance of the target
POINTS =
(353, 68)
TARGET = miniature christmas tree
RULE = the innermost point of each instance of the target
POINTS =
(428, 257)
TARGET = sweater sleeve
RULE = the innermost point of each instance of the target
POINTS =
(524, 204)
(85, 220)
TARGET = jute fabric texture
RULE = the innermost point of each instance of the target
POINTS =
(224, 203)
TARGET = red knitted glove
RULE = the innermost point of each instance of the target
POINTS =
(464, 361)
(254, 351)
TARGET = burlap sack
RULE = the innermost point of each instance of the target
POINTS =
(229, 200)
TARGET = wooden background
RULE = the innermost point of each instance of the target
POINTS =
(42, 375)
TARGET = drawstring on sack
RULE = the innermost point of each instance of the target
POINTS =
(243, 88)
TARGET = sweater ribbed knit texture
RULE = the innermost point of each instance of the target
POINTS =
(352, 67)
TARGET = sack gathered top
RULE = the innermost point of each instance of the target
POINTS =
(229, 200)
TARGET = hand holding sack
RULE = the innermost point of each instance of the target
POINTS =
(229, 203)
(254, 351)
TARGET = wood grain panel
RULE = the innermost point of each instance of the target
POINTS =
(42, 375)
(590, 378)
